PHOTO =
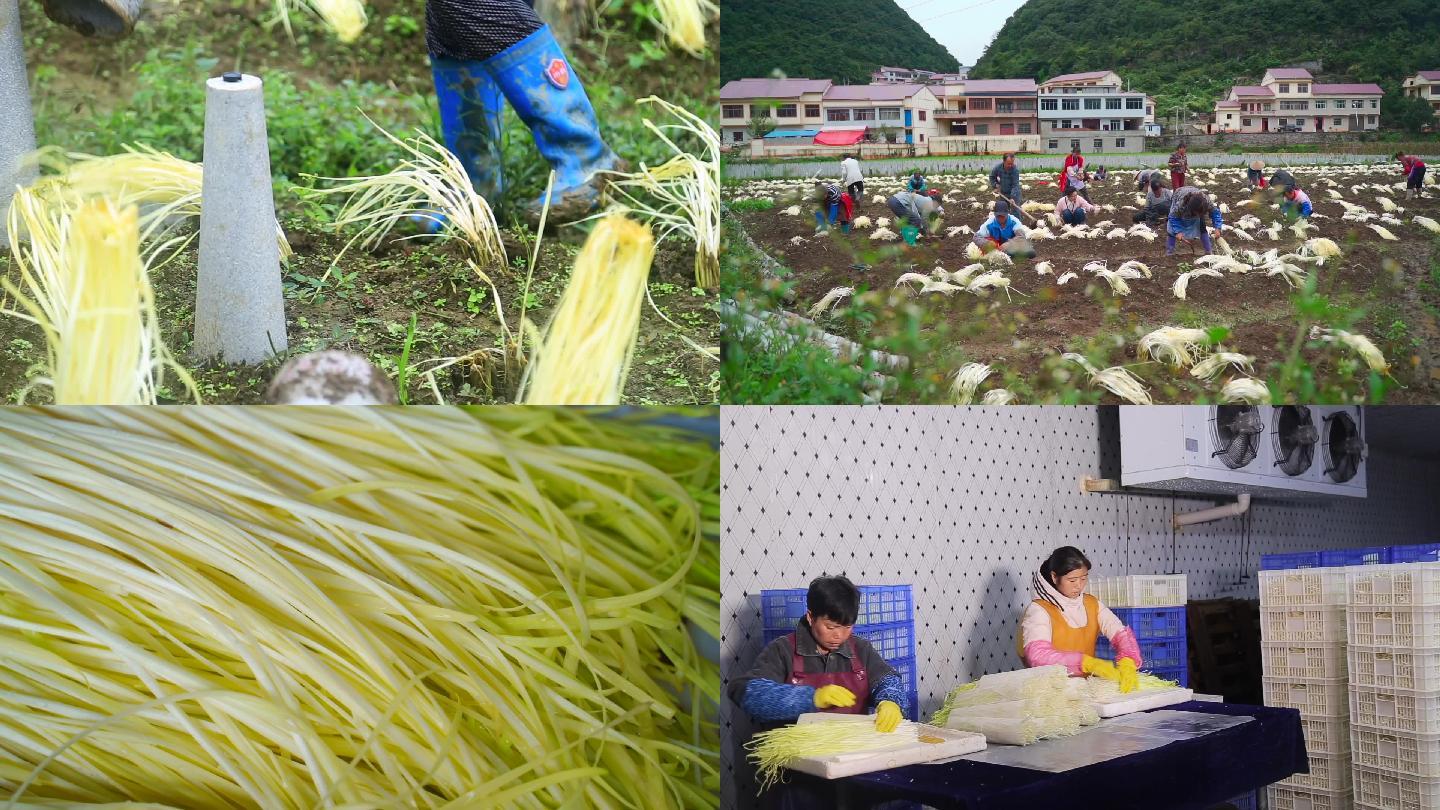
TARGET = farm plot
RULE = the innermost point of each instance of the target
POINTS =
(1343, 307)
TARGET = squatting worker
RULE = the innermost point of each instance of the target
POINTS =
(486, 52)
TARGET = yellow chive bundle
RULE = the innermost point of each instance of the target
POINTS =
(82, 281)
(369, 608)
(584, 356)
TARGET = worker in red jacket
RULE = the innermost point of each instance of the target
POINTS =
(1179, 165)
(1414, 170)
(1072, 159)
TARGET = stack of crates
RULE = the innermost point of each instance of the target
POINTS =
(886, 620)
(1394, 659)
(1153, 605)
(1302, 649)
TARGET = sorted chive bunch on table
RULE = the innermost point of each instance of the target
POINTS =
(774, 750)
(368, 608)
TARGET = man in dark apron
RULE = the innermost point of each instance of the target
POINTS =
(819, 667)
(485, 52)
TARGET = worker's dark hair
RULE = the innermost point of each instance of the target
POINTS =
(1156, 184)
(1062, 561)
(834, 598)
(1075, 149)
(1196, 205)
(1398, 155)
(1180, 145)
(1008, 156)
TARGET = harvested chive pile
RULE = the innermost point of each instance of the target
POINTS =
(367, 608)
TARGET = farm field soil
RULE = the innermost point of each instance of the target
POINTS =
(1397, 283)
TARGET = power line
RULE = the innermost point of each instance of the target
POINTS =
(954, 11)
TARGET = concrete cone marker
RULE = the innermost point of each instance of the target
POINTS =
(17, 121)
(239, 299)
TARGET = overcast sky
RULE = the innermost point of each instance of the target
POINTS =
(965, 27)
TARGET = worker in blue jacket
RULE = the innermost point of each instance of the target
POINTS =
(1189, 209)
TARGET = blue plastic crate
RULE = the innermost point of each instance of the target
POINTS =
(1165, 653)
(1425, 552)
(1151, 622)
(892, 641)
(879, 604)
(908, 681)
(1281, 562)
(1372, 555)
(1181, 674)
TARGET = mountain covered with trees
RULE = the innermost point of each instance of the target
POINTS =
(1188, 55)
(842, 40)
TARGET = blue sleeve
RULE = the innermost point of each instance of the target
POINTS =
(768, 702)
(1215, 218)
(1306, 208)
(889, 688)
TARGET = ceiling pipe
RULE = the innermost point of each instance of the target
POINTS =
(1240, 507)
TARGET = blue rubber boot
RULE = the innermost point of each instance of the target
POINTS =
(472, 110)
(539, 83)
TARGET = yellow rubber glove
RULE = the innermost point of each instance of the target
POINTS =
(1102, 669)
(834, 696)
(887, 716)
(1129, 677)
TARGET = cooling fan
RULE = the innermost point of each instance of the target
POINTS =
(1295, 439)
(1235, 430)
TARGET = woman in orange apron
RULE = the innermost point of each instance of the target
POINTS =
(1061, 625)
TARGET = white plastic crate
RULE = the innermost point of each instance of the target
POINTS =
(1326, 735)
(1294, 660)
(1305, 625)
(1283, 797)
(1407, 585)
(1302, 587)
(1391, 791)
(1409, 627)
(1409, 754)
(1315, 697)
(1395, 709)
(1327, 772)
(1394, 668)
(1140, 590)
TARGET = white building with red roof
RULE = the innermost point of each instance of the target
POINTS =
(821, 112)
(1290, 100)
(1425, 85)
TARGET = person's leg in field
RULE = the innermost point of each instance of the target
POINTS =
(485, 52)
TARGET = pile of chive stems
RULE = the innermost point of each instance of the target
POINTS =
(359, 608)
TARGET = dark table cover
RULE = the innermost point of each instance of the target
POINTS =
(1184, 775)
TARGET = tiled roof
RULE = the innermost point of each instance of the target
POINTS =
(773, 88)
(1347, 89)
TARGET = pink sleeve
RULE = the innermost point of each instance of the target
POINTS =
(1126, 646)
(1043, 653)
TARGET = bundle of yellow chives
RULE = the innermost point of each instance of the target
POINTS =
(369, 608)
(584, 356)
(81, 280)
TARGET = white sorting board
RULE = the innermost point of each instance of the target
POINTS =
(837, 766)
(1149, 699)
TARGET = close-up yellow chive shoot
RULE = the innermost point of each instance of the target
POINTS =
(682, 195)
(684, 21)
(166, 188)
(345, 17)
(431, 182)
(82, 282)
(585, 353)
(356, 607)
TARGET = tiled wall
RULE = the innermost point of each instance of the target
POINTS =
(962, 503)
